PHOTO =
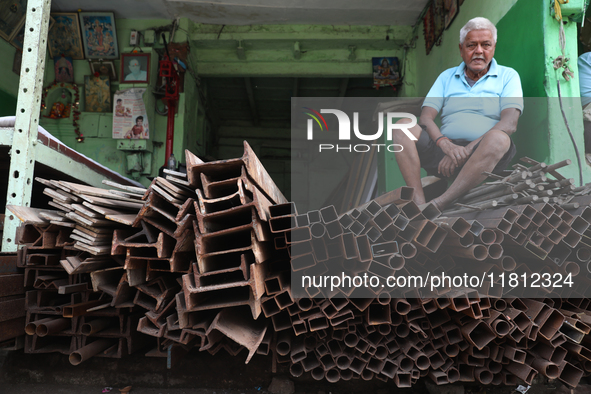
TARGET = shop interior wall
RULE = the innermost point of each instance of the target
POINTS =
(98, 143)
(9, 80)
(525, 19)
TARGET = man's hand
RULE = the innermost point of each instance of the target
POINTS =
(457, 154)
(446, 167)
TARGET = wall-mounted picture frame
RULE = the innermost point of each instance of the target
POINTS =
(97, 93)
(17, 62)
(64, 69)
(439, 20)
(99, 35)
(18, 40)
(12, 17)
(451, 10)
(103, 67)
(429, 29)
(64, 38)
(385, 71)
(135, 68)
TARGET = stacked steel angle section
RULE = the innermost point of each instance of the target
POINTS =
(218, 259)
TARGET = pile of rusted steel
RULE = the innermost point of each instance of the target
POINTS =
(12, 300)
(216, 259)
(12, 303)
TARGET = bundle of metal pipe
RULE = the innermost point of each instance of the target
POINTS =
(218, 259)
(445, 334)
(523, 185)
(64, 313)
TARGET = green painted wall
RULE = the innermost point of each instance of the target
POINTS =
(9, 81)
(529, 62)
(542, 134)
(97, 128)
(560, 145)
(7, 104)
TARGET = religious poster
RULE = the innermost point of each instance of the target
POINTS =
(99, 35)
(64, 37)
(439, 20)
(12, 17)
(385, 71)
(451, 10)
(429, 28)
(97, 93)
(64, 69)
(130, 120)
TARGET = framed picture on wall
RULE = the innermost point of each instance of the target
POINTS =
(99, 35)
(64, 69)
(18, 40)
(12, 17)
(429, 29)
(439, 20)
(106, 67)
(385, 71)
(451, 10)
(97, 93)
(64, 37)
(17, 62)
(135, 68)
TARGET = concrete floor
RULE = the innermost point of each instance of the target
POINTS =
(33, 388)
(198, 373)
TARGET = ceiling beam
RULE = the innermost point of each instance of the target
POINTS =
(288, 69)
(206, 32)
(251, 101)
(280, 61)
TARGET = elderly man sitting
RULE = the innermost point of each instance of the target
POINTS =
(480, 103)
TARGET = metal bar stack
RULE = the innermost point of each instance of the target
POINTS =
(68, 310)
(12, 299)
(12, 302)
(234, 251)
(214, 259)
(448, 335)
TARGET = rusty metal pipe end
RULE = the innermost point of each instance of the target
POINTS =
(86, 352)
(317, 373)
(296, 370)
(52, 327)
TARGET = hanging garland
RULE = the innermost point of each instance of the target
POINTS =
(562, 61)
(75, 105)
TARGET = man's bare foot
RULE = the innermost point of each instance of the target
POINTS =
(419, 201)
(438, 204)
